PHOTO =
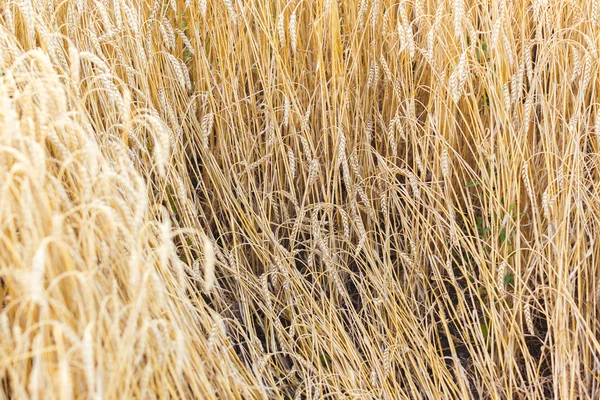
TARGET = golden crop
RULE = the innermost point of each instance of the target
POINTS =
(325, 199)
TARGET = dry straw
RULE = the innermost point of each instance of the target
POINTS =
(209, 265)
(368, 175)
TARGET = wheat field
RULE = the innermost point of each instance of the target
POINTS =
(303, 199)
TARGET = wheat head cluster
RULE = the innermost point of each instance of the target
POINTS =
(299, 199)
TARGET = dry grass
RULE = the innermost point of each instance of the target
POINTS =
(299, 200)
